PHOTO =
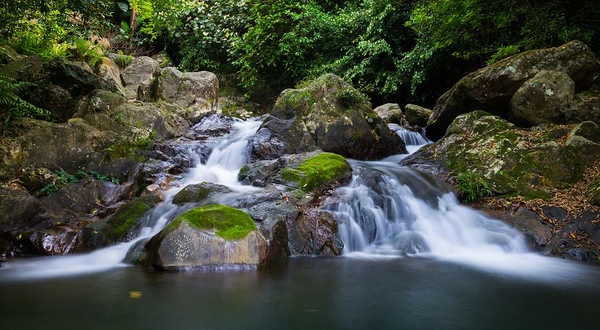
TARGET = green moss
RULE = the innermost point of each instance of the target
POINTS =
(128, 148)
(126, 217)
(350, 97)
(507, 135)
(317, 172)
(243, 171)
(229, 223)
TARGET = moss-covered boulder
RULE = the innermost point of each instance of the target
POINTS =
(319, 172)
(491, 88)
(208, 236)
(197, 193)
(542, 99)
(327, 114)
(524, 162)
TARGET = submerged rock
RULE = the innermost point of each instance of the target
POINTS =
(208, 236)
(330, 115)
(196, 193)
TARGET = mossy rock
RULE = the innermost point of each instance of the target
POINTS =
(326, 114)
(197, 193)
(319, 172)
(512, 161)
(228, 222)
(127, 217)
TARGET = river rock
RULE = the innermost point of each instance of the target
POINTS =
(208, 236)
(78, 78)
(390, 113)
(110, 71)
(197, 193)
(542, 99)
(68, 146)
(141, 70)
(315, 234)
(417, 115)
(585, 107)
(197, 91)
(509, 159)
(17, 208)
(491, 88)
(330, 115)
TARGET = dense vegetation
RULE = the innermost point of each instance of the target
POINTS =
(395, 50)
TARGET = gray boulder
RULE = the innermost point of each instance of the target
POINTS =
(585, 106)
(542, 99)
(390, 113)
(417, 115)
(491, 88)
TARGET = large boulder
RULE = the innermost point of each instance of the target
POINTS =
(390, 113)
(525, 162)
(197, 91)
(208, 236)
(330, 115)
(110, 71)
(77, 77)
(542, 99)
(69, 146)
(197, 193)
(141, 70)
(417, 115)
(491, 88)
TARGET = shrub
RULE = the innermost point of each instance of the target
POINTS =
(472, 187)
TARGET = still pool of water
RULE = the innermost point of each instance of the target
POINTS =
(307, 293)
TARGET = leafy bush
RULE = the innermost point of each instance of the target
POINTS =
(64, 178)
(472, 187)
(12, 106)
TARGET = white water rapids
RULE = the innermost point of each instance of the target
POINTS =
(222, 167)
(388, 211)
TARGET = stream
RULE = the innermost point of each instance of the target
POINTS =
(413, 258)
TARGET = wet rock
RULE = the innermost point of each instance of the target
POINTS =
(417, 115)
(390, 113)
(328, 114)
(17, 208)
(542, 99)
(315, 233)
(196, 193)
(209, 236)
(491, 88)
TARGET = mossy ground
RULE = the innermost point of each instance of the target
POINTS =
(317, 172)
(229, 223)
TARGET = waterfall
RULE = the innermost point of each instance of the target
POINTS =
(222, 167)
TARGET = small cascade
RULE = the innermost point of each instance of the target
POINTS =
(412, 139)
(221, 167)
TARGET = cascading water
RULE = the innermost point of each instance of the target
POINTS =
(222, 166)
(390, 211)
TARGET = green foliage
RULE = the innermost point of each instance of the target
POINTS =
(123, 60)
(472, 187)
(13, 107)
(229, 223)
(84, 50)
(64, 178)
